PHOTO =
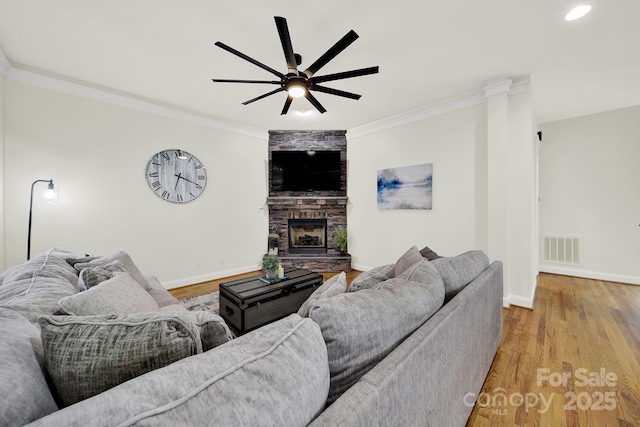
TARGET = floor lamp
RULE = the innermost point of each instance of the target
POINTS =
(49, 195)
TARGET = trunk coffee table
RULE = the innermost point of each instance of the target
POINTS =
(249, 303)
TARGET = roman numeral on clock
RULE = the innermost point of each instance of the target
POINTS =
(166, 194)
(179, 197)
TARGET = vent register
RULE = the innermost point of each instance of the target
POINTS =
(562, 249)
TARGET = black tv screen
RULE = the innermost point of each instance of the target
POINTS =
(305, 170)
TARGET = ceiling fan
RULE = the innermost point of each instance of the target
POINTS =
(296, 83)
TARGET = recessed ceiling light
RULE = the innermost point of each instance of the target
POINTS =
(577, 12)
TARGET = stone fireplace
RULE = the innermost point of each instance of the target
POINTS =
(305, 221)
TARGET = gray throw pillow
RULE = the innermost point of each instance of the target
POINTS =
(23, 386)
(120, 294)
(120, 256)
(90, 277)
(86, 355)
(406, 260)
(334, 286)
(368, 279)
(361, 328)
(457, 272)
(275, 376)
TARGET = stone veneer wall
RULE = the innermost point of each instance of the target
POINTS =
(329, 205)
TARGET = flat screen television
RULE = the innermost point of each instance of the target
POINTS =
(305, 170)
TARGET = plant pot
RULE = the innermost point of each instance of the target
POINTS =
(343, 251)
(272, 274)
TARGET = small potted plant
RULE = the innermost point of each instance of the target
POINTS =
(270, 264)
(341, 239)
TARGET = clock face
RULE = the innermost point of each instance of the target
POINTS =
(176, 176)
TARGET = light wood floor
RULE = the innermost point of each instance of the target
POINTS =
(579, 328)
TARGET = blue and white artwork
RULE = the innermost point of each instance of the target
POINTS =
(407, 187)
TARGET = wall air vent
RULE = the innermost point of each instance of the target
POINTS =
(562, 249)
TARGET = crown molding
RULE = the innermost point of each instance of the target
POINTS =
(415, 116)
(506, 86)
(58, 85)
(51, 83)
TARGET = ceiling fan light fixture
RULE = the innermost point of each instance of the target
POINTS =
(577, 12)
(296, 91)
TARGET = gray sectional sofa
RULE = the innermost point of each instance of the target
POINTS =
(408, 344)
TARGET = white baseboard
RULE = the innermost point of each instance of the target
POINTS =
(361, 267)
(517, 300)
(211, 276)
(607, 277)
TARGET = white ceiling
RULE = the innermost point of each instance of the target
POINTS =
(428, 52)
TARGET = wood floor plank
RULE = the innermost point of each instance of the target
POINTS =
(580, 329)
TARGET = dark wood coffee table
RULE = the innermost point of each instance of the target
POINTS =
(247, 304)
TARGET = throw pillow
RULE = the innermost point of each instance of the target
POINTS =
(361, 328)
(429, 254)
(407, 260)
(23, 386)
(334, 286)
(368, 279)
(123, 258)
(75, 260)
(120, 294)
(90, 277)
(86, 355)
(457, 272)
(249, 381)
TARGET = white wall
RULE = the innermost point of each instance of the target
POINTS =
(96, 153)
(456, 145)
(590, 187)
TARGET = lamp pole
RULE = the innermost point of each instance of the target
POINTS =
(50, 181)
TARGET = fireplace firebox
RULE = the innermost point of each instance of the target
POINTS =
(307, 236)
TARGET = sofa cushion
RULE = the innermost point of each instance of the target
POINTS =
(457, 272)
(86, 355)
(361, 328)
(34, 287)
(334, 286)
(429, 254)
(23, 387)
(90, 277)
(120, 294)
(275, 376)
(368, 279)
(407, 260)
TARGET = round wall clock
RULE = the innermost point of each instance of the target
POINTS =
(176, 176)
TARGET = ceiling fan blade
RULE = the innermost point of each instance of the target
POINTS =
(280, 89)
(273, 82)
(337, 92)
(312, 99)
(342, 44)
(287, 104)
(247, 58)
(285, 38)
(344, 75)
